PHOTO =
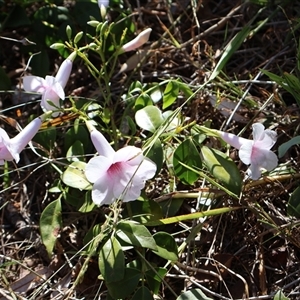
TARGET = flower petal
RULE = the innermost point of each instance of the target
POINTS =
(49, 95)
(102, 192)
(97, 167)
(5, 153)
(270, 160)
(130, 154)
(54, 88)
(133, 191)
(64, 72)
(245, 152)
(121, 176)
(146, 169)
(254, 172)
(101, 144)
(268, 140)
(140, 39)
(258, 131)
(128, 184)
(19, 142)
(34, 84)
(105, 3)
(232, 139)
(265, 159)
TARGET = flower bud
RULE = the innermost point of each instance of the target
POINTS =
(69, 32)
(57, 46)
(137, 42)
(93, 23)
(78, 37)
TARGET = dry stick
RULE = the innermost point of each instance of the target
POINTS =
(238, 276)
(212, 28)
(208, 291)
(197, 270)
(270, 179)
(247, 90)
(194, 224)
(291, 284)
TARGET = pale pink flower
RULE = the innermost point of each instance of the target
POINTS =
(116, 174)
(138, 41)
(256, 152)
(104, 3)
(51, 88)
(10, 148)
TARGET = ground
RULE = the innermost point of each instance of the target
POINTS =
(251, 252)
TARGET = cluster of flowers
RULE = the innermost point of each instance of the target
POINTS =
(122, 174)
(115, 175)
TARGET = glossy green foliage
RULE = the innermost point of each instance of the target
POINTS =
(112, 261)
(187, 154)
(222, 168)
(50, 224)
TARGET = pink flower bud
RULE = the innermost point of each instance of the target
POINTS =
(10, 148)
(137, 42)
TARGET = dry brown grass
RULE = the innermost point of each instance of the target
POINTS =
(249, 253)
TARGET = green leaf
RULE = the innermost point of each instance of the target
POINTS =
(82, 201)
(166, 245)
(5, 83)
(194, 294)
(46, 138)
(40, 63)
(142, 101)
(123, 288)
(130, 123)
(170, 94)
(143, 211)
(294, 84)
(223, 169)
(199, 138)
(16, 18)
(78, 133)
(84, 11)
(288, 82)
(142, 293)
(154, 278)
(280, 296)
(92, 239)
(149, 118)
(135, 234)
(135, 87)
(231, 47)
(76, 152)
(186, 152)
(293, 208)
(185, 89)
(112, 261)
(283, 148)
(171, 206)
(88, 205)
(74, 176)
(50, 224)
(156, 93)
(156, 154)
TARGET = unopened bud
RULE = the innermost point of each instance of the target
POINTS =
(137, 42)
(78, 37)
(69, 32)
(57, 46)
